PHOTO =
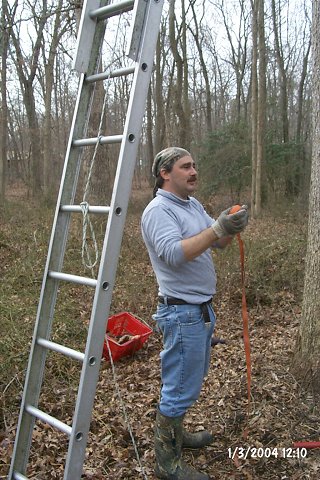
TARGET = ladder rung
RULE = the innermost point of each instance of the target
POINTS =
(91, 282)
(121, 72)
(84, 142)
(110, 10)
(19, 476)
(44, 417)
(78, 209)
(56, 347)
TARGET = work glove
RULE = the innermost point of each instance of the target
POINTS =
(231, 224)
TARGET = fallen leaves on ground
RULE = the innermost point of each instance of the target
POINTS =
(120, 444)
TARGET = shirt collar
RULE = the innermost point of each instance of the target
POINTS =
(173, 197)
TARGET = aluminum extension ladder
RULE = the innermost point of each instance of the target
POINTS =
(146, 21)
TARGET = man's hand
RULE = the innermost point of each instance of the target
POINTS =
(231, 224)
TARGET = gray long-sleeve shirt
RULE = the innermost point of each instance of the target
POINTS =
(166, 221)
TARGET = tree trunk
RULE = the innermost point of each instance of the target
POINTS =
(179, 92)
(35, 150)
(258, 103)
(185, 94)
(254, 104)
(4, 106)
(307, 356)
(196, 36)
(150, 150)
(300, 93)
(261, 106)
(283, 76)
(160, 123)
(58, 30)
(238, 52)
(26, 78)
(301, 175)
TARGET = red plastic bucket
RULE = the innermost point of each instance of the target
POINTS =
(119, 327)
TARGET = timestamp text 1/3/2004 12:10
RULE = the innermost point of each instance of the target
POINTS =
(267, 452)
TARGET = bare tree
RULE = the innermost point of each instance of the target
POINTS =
(307, 355)
(283, 85)
(27, 70)
(180, 86)
(302, 82)
(238, 49)
(258, 103)
(60, 26)
(254, 105)
(159, 93)
(301, 164)
(196, 33)
(4, 42)
(262, 97)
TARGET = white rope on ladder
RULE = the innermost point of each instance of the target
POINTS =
(124, 412)
(85, 251)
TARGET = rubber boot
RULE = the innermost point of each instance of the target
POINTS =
(196, 439)
(168, 448)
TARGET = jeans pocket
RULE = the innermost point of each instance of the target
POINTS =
(190, 316)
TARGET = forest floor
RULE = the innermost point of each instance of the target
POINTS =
(280, 412)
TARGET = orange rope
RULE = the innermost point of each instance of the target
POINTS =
(244, 311)
(245, 320)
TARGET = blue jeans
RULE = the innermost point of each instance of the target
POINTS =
(185, 357)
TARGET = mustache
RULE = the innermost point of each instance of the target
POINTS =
(193, 178)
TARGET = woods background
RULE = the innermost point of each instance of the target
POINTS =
(231, 83)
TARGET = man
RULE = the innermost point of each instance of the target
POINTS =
(179, 235)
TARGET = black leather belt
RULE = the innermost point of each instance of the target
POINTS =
(179, 301)
(172, 301)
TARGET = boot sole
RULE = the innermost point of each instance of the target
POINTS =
(168, 476)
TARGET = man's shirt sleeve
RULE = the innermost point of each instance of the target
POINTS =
(163, 235)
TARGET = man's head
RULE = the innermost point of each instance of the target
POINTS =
(175, 171)
(166, 158)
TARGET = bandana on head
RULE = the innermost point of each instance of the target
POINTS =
(165, 157)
